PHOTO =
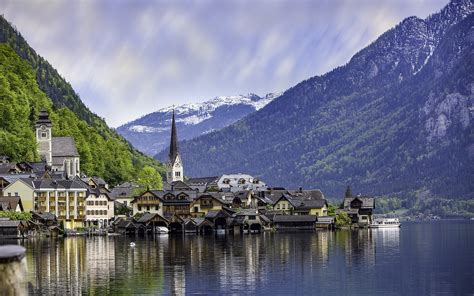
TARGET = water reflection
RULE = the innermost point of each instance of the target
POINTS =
(341, 262)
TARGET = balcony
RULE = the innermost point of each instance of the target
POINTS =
(148, 202)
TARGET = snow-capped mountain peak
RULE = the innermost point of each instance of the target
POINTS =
(150, 132)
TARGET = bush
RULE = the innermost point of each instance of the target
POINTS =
(12, 215)
(342, 219)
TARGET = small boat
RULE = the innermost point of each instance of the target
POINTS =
(161, 229)
(132, 244)
(385, 223)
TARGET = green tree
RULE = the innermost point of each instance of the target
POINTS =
(12, 215)
(332, 210)
(149, 178)
(342, 219)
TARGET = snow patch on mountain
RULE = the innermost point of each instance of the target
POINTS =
(217, 102)
(147, 129)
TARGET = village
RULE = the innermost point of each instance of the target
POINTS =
(60, 200)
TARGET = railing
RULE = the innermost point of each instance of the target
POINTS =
(148, 202)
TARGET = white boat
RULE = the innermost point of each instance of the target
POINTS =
(385, 223)
(161, 229)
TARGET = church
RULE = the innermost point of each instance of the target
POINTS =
(174, 168)
(59, 153)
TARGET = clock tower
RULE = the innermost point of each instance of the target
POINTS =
(44, 137)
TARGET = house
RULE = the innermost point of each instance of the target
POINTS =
(248, 220)
(220, 218)
(285, 204)
(165, 203)
(288, 222)
(240, 182)
(360, 209)
(205, 184)
(318, 207)
(206, 202)
(301, 204)
(12, 228)
(11, 203)
(151, 221)
(21, 187)
(203, 225)
(63, 198)
(125, 192)
(99, 207)
(45, 219)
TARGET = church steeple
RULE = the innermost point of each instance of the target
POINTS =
(175, 170)
(174, 140)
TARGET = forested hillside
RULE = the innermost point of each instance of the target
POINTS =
(28, 83)
(397, 119)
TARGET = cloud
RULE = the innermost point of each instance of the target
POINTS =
(129, 58)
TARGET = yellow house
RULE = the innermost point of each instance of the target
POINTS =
(22, 187)
(284, 204)
(318, 207)
(289, 204)
(205, 203)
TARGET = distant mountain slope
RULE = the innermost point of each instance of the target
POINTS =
(29, 83)
(150, 133)
(398, 118)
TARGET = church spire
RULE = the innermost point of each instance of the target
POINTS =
(174, 141)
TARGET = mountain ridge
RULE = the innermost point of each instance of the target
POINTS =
(319, 134)
(150, 133)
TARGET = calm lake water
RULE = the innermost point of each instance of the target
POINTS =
(435, 258)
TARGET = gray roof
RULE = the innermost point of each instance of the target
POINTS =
(247, 212)
(325, 219)
(10, 203)
(9, 223)
(294, 218)
(312, 194)
(124, 190)
(45, 216)
(203, 180)
(147, 217)
(310, 204)
(58, 184)
(217, 213)
(367, 202)
(64, 146)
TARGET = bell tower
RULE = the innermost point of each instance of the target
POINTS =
(174, 169)
(43, 137)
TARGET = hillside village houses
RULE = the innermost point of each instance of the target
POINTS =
(56, 192)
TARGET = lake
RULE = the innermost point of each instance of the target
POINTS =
(432, 258)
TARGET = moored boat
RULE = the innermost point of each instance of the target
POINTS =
(385, 223)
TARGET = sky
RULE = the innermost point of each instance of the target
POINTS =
(129, 58)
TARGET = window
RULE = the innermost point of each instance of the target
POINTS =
(139, 208)
(147, 208)
(251, 217)
(157, 208)
(44, 135)
(16, 193)
(196, 209)
(177, 174)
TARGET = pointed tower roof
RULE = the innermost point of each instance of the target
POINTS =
(43, 118)
(174, 141)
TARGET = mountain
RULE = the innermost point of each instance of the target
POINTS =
(150, 133)
(396, 119)
(27, 84)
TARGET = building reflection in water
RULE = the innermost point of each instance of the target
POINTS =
(185, 264)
